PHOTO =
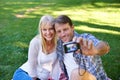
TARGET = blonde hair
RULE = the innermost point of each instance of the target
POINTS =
(43, 21)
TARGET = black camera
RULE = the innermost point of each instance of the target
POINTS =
(70, 47)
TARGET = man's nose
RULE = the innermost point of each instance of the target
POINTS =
(62, 33)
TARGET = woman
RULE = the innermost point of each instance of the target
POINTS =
(42, 61)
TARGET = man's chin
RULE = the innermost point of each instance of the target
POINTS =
(65, 40)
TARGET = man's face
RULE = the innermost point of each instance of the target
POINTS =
(64, 31)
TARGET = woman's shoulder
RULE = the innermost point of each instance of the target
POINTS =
(36, 40)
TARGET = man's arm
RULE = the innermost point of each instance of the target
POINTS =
(87, 47)
(102, 48)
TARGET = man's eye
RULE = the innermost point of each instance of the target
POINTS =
(65, 29)
(58, 31)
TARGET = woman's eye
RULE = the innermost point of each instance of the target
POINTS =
(44, 29)
(51, 29)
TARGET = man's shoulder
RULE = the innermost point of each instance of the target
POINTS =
(82, 34)
(59, 41)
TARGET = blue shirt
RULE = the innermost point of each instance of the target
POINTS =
(92, 64)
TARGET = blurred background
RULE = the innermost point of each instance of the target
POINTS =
(19, 24)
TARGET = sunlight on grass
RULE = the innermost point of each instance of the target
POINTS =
(24, 13)
(21, 44)
(86, 28)
(87, 13)
(19, 2)
(19, 21)
(93, 14)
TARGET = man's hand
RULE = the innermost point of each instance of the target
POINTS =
(87, 47)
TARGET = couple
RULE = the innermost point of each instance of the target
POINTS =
(48, 61)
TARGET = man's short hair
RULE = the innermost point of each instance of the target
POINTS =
(63, 19)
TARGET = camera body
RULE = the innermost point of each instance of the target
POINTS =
(70, 47)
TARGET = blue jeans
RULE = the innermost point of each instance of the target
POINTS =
(21, 75)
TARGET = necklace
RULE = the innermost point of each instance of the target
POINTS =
(50, 48)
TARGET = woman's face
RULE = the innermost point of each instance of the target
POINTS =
(48, 32)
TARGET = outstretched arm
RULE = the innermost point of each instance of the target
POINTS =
(87, 47)
(102, 48)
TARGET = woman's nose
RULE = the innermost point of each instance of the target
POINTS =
(48, 32)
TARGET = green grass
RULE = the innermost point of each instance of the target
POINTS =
(19, 23)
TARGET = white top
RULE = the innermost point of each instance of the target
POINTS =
(68, 59)
(39, 64)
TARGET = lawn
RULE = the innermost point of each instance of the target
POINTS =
(19, 23)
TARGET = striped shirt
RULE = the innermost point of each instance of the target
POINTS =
(92, 64)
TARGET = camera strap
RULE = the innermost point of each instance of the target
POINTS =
(78, 59)
(64, 69)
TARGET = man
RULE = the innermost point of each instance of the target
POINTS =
(85, 63)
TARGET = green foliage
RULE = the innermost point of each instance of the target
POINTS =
(19, 23)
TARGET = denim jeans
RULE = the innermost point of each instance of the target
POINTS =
(21, 75)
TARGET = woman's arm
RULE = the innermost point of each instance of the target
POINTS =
(32, 56)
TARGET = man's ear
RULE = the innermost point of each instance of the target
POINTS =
(72, 27)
